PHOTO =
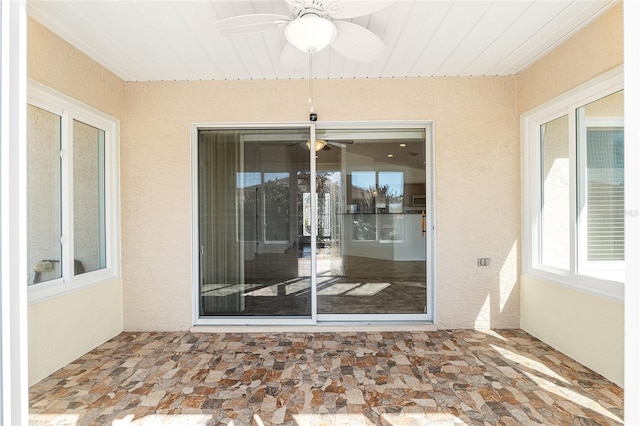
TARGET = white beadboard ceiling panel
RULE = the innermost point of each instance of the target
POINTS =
(548, 36)
(423, 24)
(146, 40)
(517, 30)
(456, 26)
(487, 29)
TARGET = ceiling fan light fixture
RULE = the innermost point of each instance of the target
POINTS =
(310, 33)
(320, 143)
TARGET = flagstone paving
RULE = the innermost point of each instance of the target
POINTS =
(349, 378)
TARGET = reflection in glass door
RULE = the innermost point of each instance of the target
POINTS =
(251, 192)
(281, 236)
(371, 250)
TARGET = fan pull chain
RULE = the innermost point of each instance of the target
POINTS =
(311, 108)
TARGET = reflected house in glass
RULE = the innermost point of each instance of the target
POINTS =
(250, 223)
(263, 268)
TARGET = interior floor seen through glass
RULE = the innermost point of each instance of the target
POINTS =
(371, 248)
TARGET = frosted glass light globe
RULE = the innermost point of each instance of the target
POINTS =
(310, 33)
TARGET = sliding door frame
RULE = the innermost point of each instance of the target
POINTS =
(426, 318)
(197, 319)
(430, 228)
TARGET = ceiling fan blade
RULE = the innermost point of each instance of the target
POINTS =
(341, 144)
(356, 42)
(294, 4)
(346, 9)
(293, 59)
(248, 24)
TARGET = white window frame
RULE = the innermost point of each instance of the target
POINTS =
(428, 317)
(69, 110)
(378, 216)
(566, 104)
(593, 267)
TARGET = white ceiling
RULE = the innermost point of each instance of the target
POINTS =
(176, 40)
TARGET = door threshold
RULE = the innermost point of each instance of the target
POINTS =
(318, 328)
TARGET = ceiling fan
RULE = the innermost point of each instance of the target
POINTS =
(323, 144)
(314, 25)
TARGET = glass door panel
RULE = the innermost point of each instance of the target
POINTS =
(371, 244)
(261, 208)
(253, 190)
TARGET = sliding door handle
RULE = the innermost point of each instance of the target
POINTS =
(424, 215)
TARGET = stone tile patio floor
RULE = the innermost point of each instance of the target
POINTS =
(348, 378)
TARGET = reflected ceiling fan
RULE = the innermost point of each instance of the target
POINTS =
(314, 25)
(323, 144)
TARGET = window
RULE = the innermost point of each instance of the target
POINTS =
(276, 207)
(378, 207)
(264, 197)
(600, 152)
(573, 188)
(72, 202)
(88, 198)
(556, 205)
(44, 197)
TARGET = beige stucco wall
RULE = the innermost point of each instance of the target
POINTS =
(67, 327)
(585, 327)
(591, 52)
(64, 328)
(477, 182)
(60, 66)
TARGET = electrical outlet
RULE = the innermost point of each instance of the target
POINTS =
(484, 261)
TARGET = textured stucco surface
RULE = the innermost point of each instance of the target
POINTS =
(60, 66)
(477, 182)
(592, 51)
(66, 327)
(587, 328)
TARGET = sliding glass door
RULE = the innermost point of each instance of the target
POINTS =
(335, 230)
(251, 224)
(372, 244)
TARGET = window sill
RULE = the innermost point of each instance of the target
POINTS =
(41, 292)
(606, 289)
